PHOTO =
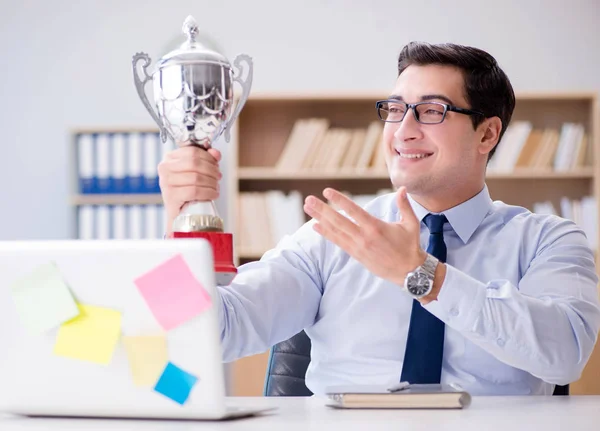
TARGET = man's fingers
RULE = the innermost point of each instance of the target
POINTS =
(190, 179)
(215, 153)
(323, 213)
(201, 167)
(335, 235)
(408, 215)
(342, 202)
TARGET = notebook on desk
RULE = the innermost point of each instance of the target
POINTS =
(424, 396)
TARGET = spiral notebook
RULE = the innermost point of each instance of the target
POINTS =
(402, 396)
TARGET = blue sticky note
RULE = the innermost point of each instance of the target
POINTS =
(175, 383)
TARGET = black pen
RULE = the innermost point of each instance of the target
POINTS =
(399, 387)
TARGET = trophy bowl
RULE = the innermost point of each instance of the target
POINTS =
(193, 97)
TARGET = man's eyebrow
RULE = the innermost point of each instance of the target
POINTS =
(438, 97)
(396, 97)
(424, 98)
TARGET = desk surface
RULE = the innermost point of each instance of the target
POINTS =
(579, 413)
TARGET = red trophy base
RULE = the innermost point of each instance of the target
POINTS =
(222, 245)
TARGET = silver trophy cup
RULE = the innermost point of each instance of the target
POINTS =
(193, 97)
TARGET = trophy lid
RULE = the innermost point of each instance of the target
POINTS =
(192, 51)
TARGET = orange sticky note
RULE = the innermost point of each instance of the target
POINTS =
(91, 336)
(172, 292)
(147, 357)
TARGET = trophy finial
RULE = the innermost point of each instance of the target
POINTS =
(190, 28)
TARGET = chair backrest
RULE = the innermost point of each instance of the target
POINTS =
(561, 390)
(286, 368)
(288, 362)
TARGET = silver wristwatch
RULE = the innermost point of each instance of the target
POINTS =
(418, 283)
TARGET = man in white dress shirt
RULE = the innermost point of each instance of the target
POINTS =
(433, 283)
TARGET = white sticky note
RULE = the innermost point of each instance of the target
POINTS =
(43, 300)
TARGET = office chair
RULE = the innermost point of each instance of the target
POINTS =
(288, 362)
(561, 390)
(286, 368)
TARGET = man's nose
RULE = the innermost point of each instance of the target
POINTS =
(409, 129)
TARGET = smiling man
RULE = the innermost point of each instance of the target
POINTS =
(433, 283)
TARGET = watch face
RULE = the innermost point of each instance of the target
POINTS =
(418, 284)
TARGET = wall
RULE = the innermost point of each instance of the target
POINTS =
(68, 64)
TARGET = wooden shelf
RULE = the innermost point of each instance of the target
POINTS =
(334, 96)
(119, 129)
(585, 173)
(585, 96)
(261, 173)
(118, 199)
(273, 174)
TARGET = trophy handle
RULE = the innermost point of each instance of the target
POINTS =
(246, 85)
(139, 85)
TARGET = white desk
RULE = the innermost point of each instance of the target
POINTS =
(574, 413)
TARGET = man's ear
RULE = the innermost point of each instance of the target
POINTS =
(491, 132)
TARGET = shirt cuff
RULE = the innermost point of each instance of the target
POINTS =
(460, 300)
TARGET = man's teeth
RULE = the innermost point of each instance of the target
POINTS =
(413, 156)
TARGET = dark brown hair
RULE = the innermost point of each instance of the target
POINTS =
(487, 88)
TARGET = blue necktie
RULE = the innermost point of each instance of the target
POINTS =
(425, 342)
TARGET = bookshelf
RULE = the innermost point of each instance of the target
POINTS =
(117, 199)
(266, 125)
(114, 187)
(251, 173)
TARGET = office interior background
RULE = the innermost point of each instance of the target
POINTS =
(67, 75)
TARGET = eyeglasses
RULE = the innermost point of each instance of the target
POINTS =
(394, 111)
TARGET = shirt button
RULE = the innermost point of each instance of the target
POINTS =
(500, 342)
(453, 312)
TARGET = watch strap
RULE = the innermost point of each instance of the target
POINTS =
(429, 266)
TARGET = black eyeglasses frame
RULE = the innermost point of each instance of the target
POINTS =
(413, 106)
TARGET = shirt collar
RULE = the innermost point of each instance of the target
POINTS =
(465, 217)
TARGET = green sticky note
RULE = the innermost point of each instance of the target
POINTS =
(92, 336)
(43, 300)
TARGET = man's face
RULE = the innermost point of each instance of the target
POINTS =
(430, 159)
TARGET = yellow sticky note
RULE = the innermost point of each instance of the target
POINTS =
(91, 336)
(147, 356)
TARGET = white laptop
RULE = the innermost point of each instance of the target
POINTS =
(111, 329)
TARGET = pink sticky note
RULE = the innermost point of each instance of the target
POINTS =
(172, 292)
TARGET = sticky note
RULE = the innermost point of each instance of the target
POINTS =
(43, 300)
(91, 336)
(175, 383)
(147, 355)
(172, 293)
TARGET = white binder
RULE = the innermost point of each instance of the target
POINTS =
(151, 159)
(151, 222)
(102, 222)
(103, 166)
(85, 162)
(134, 163)
(119, 222)
(135, 220)
(118, 166)
(85, 222)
